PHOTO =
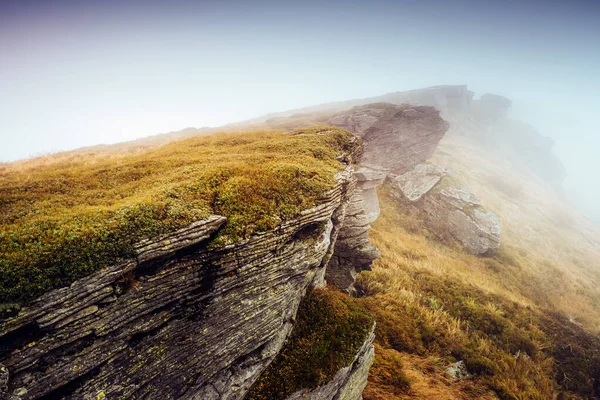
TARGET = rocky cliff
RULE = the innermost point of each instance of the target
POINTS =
(181, 321)
(188, 317)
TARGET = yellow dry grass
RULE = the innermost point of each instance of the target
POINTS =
(558, 249)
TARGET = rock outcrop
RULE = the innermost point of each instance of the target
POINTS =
(487, 123)
(369, 177)
(457, 371)
(493, 106)
(184, 320)
(443, 97)
(395, 137)
(349, 382)
(188, 318)
(447, 207)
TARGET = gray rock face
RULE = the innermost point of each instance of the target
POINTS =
(349, 382)
(181, 321)
(447, 207)
(353, 251)
(395, 137)
(369, 177)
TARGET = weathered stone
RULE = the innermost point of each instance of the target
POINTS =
(420, 180)
(395, 136)
(447, 207)
(457, 371)
(349, 382)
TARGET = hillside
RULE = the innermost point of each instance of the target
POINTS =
(252, 265)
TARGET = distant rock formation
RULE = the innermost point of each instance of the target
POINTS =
(447, 207)
(395, 137)
(485, 121)
(443, 97)
(492, 106)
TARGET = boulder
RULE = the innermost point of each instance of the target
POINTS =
(447, 207)
(457, 371)
(395, 137)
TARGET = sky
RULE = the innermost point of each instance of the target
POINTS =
(75, 73)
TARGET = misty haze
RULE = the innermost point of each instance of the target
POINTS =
(324, 200)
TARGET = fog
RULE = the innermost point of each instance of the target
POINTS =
(75, 74)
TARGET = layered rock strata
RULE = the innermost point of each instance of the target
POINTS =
(353, 250)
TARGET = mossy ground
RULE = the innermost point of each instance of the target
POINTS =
(64, 220)
(330, 329)
(436, 304)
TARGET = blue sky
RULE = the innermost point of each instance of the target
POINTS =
(76, 73)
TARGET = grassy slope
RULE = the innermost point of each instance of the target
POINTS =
(66, 218)
(558, 248)
(435, 304)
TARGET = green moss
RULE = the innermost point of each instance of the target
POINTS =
(329, 331)
(62, 221)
